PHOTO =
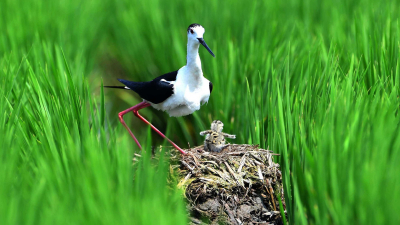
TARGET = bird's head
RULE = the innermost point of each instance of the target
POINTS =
(217, 126)
(195, 34)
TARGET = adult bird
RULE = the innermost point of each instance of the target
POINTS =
(179, 93)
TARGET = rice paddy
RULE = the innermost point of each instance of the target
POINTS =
(315, 81)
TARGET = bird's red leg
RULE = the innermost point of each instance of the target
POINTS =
(136, 112)
(135, 109)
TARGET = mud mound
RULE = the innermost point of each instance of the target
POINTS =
(240, 184)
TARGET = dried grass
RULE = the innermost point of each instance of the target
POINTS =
(238, 185)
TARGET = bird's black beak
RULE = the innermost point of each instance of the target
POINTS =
(201, 40)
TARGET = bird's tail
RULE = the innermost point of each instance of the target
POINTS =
(119, 87)
(129, 85)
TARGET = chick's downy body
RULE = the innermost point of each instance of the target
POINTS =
(215, 138)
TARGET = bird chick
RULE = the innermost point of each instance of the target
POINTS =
(215, 138)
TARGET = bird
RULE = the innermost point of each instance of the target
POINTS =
(215, 138)
(179, 93)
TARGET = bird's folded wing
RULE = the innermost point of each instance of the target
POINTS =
(206, 132)
(157, 91)
(229, 135)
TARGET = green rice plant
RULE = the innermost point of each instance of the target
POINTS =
(59, 163)
(317, 82)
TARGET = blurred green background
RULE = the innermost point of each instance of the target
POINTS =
(315, 81)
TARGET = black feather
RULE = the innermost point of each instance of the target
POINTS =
(119, 87)
(155, 91)
(193, 25)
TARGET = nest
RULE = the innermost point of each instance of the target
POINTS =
(239, 185)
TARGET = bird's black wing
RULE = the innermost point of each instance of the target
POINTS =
(155, 91)
(168, 76)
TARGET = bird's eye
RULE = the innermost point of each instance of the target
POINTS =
(191, 31)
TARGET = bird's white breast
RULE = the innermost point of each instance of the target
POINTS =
(191, 90)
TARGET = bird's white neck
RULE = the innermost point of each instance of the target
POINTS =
(193, 59)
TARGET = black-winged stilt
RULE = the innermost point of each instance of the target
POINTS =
(179, 93)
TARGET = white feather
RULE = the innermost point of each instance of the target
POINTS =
(191, 89)
(189, 94)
